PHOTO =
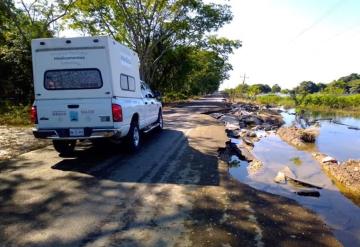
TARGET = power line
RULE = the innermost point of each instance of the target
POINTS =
(317, 21)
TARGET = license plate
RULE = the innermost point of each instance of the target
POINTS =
(76, 132)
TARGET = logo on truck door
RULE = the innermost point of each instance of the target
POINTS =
(74, 116)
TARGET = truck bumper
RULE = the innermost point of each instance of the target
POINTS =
(63, 134)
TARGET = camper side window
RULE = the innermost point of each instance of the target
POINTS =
(127, 82)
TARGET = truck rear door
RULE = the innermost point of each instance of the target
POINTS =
(77, 98)
(74, 113)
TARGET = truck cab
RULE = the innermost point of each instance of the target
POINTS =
(90, 88)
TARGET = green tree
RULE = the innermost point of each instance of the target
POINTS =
(19, 25)
(275, 88)
(254, 90)
(155, 28)
(307, 87)
(337, 87)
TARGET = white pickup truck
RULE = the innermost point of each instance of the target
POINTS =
(90, 88)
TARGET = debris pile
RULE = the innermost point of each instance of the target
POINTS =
(250, 116)
(346, 173)
(297, 136)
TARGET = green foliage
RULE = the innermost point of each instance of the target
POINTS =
(350, 77)
(318, 100)
(174, 97)
(14, 114)
(306, 87)
(18, 26)
(254, 90)
(275, 88)
(272, 99)
(171, 37)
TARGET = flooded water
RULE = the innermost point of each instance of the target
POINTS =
(335, 139)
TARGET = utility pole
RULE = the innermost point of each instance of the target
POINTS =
(244, 78)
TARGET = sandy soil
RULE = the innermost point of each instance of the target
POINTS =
(18, 140)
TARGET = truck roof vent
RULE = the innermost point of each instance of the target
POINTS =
(42, 43)
(96, 41)
(68, 41)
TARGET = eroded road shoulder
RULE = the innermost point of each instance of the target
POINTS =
(174, 192)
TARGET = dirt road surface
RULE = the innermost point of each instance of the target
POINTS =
(175, 191)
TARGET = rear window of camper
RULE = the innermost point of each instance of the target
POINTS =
(72, 79)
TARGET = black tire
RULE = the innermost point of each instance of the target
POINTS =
(160, 121)
(64, 147)
(133, 139)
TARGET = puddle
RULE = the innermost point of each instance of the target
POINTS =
(340, 213)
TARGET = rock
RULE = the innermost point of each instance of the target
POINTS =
(230, 126)
(251, 134)
(298, 137)
(229, 119)
(288, 173)
(280, 178)
(233, 133)
(242, 151)
(254, 166)
(245, 153)
(312, 193)
(248, 141)
(267, 127)
(302, 183)
(216, 115)
(283, 174)
(253, 120)
(329, 159)
(234, 160)
(309, 134)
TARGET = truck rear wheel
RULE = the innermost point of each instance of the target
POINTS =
(133, 137)
(160, 121)
(64, 147)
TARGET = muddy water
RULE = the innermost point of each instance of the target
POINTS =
(339, 212)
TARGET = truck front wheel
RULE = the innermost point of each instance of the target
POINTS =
(64, 147)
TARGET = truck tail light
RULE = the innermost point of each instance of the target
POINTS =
(33, 115)
(117, 113)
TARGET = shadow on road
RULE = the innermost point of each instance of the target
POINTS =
(165, 157)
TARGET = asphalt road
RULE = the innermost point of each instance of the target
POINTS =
(175, 191)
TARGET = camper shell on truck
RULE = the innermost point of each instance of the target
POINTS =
(90, 88)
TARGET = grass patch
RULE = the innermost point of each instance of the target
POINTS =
(15, 115)
(316, 102)
(296, 161)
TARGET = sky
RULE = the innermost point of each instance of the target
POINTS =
(290, 41)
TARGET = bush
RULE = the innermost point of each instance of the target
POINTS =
(174, 96)
(14, 114)
(276, 100)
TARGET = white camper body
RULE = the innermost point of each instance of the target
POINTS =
(80, 83)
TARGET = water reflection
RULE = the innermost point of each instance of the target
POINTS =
(337, 210)
(336, 138)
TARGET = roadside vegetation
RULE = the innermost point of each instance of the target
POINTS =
(17, 115)
(178, 56)
(339, 95)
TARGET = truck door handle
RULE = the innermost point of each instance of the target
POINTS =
(73, 106)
